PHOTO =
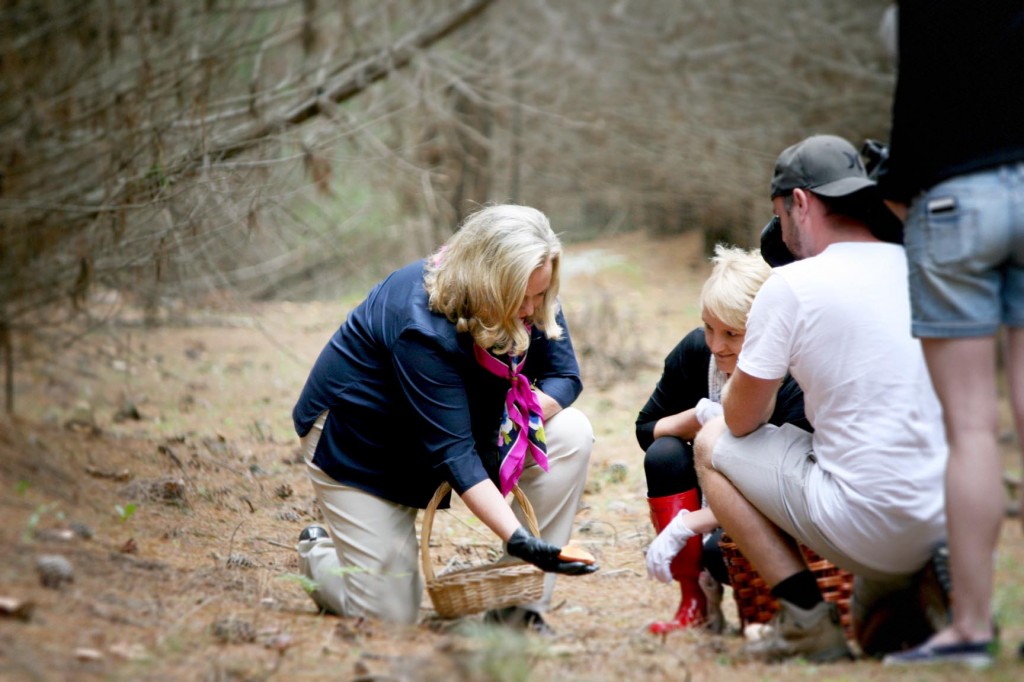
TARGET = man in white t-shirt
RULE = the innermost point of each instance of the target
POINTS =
(865, 491)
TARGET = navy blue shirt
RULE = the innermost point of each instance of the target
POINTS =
(409, 406)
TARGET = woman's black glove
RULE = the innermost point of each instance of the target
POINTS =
(544, 555)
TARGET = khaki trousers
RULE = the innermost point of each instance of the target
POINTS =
(370, 564)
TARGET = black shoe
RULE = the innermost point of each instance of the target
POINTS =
(313, 533)
(974, 655)
(517, 617)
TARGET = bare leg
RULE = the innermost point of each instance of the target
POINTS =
(1015, 372)
(963, 372)
(774, 554)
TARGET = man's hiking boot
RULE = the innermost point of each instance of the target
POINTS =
(815, 634)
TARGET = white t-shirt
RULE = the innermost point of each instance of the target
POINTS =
(840, 324)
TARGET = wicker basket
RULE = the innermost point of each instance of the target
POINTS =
(754, 600)
(471, 590)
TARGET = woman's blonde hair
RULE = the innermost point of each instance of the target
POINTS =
(478, 278)
(734, 281)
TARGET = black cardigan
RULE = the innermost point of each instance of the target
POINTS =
(684, 382)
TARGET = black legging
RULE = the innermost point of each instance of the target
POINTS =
(669, 467)
(670, 470)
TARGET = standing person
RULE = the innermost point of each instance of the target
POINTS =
(687, 394)
(956, 172)
(443, 358)
(865, 489)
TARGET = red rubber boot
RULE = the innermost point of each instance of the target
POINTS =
(687, 565)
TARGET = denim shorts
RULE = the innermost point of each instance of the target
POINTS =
(965, 253)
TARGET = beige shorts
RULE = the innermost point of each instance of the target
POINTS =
(772, 467)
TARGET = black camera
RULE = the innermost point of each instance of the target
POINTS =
(773, 249)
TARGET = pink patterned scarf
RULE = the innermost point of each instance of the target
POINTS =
(522, 425)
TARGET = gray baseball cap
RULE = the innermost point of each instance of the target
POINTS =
(824, 164)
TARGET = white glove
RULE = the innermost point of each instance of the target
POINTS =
(708, 410)
(665, 547)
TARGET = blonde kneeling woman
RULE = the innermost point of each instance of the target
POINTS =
(443, 359)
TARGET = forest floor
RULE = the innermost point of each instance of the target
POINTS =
(161, 465)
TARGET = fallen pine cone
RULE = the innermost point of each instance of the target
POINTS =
(232, 630)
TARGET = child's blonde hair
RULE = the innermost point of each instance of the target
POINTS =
(735, 279)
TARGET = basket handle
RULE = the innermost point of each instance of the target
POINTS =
(428, 522)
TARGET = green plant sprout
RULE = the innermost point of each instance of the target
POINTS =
(36, 516)
(307, 584)
(126, 511)
(310, 585)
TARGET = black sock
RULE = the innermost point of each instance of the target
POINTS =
(800, 589)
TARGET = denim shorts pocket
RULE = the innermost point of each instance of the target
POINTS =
(950, 226)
